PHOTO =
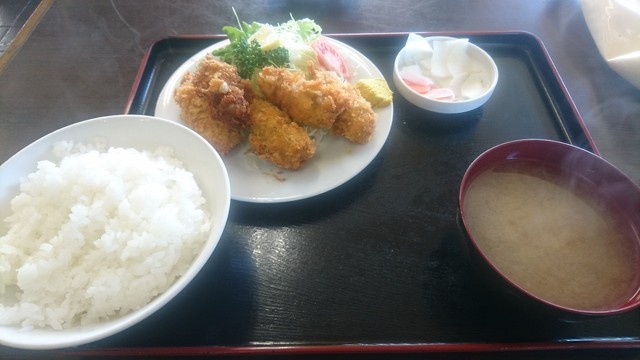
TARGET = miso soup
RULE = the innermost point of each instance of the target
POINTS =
(550, 236)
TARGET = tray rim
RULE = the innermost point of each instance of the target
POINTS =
(372, 348)
(357, 349)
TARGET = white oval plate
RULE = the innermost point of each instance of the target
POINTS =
(335, 162)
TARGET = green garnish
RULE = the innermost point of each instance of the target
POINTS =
(248, 57)
(247, 54)
(253, 46)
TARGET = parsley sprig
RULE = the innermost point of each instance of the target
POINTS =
(247, 55)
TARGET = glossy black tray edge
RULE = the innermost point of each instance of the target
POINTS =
(357, 349)
(576, 133)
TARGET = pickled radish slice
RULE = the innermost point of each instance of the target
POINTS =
(474, 85)
(458, 60)
(413, 74)
(442, 69)
(443, 94)
(420, 89)
(440, 58)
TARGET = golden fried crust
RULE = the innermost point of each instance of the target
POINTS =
(306, 101)
(357, 122)
(218, 104)
(345, 112)
(274, 137)
(212, 103)
(210, 68)
(196, 112)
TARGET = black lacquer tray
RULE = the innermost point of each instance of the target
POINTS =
(376, 265)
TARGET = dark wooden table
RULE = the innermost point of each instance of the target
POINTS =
(82, 59)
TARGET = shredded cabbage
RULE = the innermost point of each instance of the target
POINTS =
(296, 36)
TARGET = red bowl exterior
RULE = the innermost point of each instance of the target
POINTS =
(621, 195)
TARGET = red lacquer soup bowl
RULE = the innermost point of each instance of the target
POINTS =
(556, 225)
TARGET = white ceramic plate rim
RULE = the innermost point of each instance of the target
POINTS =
(109, 128)
(336, 160)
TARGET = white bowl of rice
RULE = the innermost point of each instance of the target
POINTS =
(102, 223)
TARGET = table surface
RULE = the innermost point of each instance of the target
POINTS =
(82, 59)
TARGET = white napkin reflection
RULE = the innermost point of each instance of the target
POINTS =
(615, 27)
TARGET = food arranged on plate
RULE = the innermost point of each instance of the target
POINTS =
(279, 89)
(213, 103)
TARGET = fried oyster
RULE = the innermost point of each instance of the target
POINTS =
(274, 137)
(212, 103)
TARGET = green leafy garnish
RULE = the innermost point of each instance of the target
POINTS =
(247, 54)
(248, 57)
(253, 46)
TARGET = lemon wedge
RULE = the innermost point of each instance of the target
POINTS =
(267, 38)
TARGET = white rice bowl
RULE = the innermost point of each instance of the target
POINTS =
(145, 252)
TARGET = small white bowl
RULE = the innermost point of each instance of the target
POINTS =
(141, 133)
(476, 55)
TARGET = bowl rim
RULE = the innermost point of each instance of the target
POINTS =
(481, 99)
(84, 334)
(471, 173)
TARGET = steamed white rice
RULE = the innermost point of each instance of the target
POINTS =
(97, 234)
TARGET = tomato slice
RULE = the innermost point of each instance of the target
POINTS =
(330, 58)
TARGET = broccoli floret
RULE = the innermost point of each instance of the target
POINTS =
(277, 57)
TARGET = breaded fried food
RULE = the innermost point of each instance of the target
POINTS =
(212, 103)
(221, 82)
(357, 123)
(305, 100)
(358, 120)
(274, 137)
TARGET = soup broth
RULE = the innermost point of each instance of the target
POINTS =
(549, 236)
